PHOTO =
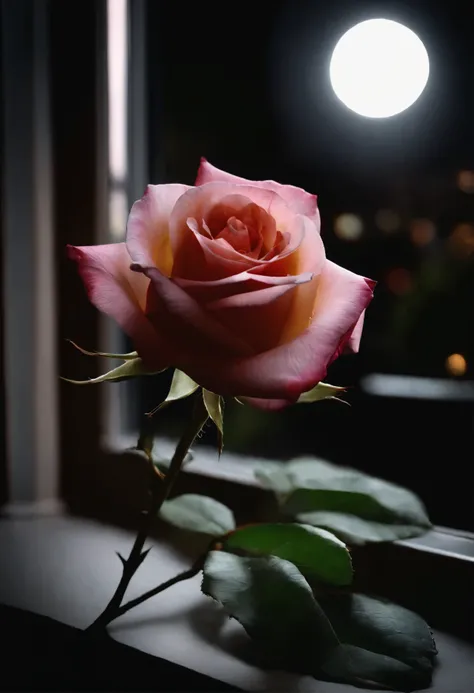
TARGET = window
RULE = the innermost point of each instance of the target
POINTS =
(396, 199)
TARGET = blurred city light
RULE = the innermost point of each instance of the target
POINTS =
(456, 364)
(422, 232)
(466, 181)
(379, 68)
(461, 240)
(348, 227)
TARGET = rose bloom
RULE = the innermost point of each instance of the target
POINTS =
(228, 281)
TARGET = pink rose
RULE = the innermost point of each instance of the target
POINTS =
(229, 282)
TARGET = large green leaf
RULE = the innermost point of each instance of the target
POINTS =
(370, 503)
(357, 531)
(274, 477)
(381, 643)
(316, 552)
(343, 637)
(198, 514)
(132, 368)
(274, 603)
(322, 494)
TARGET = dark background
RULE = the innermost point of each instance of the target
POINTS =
(247, 87)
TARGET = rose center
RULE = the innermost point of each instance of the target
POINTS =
(247, 228)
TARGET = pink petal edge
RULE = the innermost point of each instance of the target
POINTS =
(148, 225)
(298, 199)
(186, 311)
(290, 369)
(121, 294)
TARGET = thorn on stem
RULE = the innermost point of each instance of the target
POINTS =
(122, 559)
(143, 555)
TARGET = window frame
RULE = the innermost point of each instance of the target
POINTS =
(98, 476)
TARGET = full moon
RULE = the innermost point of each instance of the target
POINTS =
(379, 68)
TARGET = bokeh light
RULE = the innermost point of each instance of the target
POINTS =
(422, 232)
(466, 182)
(348, 227)
(379, 68)
(456, 365)
(461, 240)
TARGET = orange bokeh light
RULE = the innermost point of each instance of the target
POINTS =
(456, 364)
(466, 181)
(422, 231)
(461, 239)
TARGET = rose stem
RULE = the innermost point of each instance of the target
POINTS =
(185, 575)
(160, 491)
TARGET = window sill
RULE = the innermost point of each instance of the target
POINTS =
(65, 568)
(239, 470)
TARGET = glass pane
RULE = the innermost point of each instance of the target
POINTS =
(396, 195)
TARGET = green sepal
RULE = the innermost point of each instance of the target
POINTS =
(125, 357)
(130, 369)
(182, 386)
(214, 407)
(322, 391)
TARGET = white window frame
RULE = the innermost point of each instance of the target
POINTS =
(30, 356)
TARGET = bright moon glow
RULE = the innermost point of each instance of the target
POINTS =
(379, 68)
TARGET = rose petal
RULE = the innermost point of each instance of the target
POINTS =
(148, 226)
(305, 251)
(261, 316)
(297, 199)
(290, 369)
(308, 256)
(120, 293)
(267, 404)
(353, 343)
(218, 259)
(181, 321)
(198, 203)
(259, 298)
(244, 282)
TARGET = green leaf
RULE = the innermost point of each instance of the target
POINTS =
(321, 391)
(373, 504)
(274, 603)
(130, 369)
(213, 404)
(345, 637)
(125, 357)
(315, 552)
(382, 644)
(198, 514)
(357, 531)
(319, 493)
(275, 479)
